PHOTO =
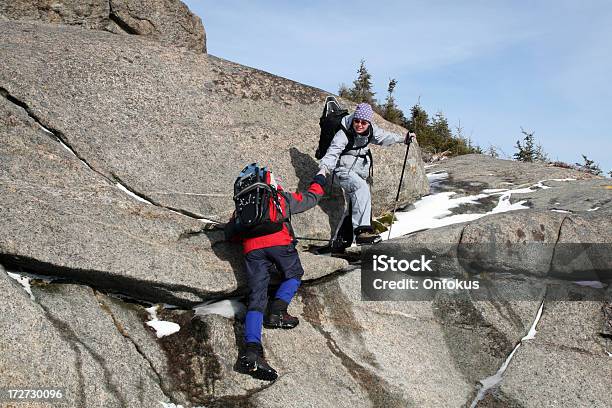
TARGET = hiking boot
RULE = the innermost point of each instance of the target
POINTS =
(278, 318)
(335, 247)
(253, 363)
(367, 237)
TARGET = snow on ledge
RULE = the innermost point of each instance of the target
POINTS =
(560, 211)
(131, 194)
(162, 328)
(591, 284)
(494, 380)
(23, 281)
(229, 308)
(433, 211)
(532, 330)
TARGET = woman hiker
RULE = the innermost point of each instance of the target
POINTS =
(351, 163)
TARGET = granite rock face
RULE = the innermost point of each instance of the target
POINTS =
(167, 21)
(61, 217)
(64, 338)
(535, 256)
(472, 173)
(136, 102)
(116, 152)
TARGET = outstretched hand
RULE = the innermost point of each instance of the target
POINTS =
(409, 137)
(320, 179)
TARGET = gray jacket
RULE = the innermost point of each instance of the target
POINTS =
(333, 161)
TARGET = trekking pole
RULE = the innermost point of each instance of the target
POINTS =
(312, 239)
(399, 188)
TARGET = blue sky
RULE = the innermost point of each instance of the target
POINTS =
(496, 66)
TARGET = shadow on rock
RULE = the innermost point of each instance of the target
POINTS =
(332, 203)
(232, 253)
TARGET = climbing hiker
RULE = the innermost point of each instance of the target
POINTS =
(348, 157)
(262, 222)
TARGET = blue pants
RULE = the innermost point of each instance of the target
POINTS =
(258, 264)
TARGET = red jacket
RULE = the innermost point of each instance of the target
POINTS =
(298, 202)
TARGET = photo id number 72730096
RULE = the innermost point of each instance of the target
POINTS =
(32, 394)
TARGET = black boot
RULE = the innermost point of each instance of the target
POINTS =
(278, 318)
(366, 235)
(252, 362)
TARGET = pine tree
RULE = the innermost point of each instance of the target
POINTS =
(389, 110)
(362, 86)
(589, 166)
(464, 143)
(419, 123)
(419, 120)
(441, 134)
(529, 151)
(439, 125)
(435, 136)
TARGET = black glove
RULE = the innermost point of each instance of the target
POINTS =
(320, 180)
(409, 137)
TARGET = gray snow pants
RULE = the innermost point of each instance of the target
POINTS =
(352, 173)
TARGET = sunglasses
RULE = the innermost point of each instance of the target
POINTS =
(361, 122)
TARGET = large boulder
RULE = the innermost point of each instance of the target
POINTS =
(533, 243)
(206, 117)
(92, 14)
(566, 364)
(472, 173)
(167, 21)
(73, 343)
(366, 354)
(59, 217)
(134, 143)
(556, 255)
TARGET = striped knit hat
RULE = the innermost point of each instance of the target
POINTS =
(364, 112)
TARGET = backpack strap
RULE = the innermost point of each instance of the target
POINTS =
(350, 135)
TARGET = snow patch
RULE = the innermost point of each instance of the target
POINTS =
(494, 380)
(594, 209)
(23, 281)
(532, 330)
(161, 327)
(131, 194)
(437, 177)
(504, 204)
(229, 308)
(494, 190)
(433, 211)
(560, 211)
(207, 221)
(591, 284)
(57, 138)
(564, 179)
